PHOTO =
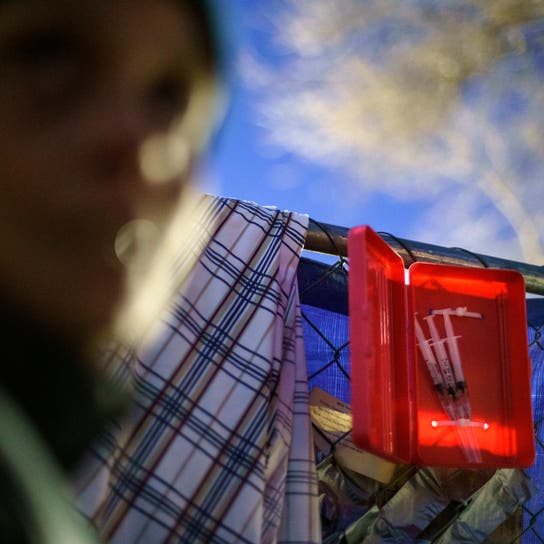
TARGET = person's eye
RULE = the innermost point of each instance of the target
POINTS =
(168, 97)
(49, 63)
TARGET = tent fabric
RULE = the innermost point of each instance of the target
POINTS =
(324, 302)
(326, 335)
(533, 524)
(218, 446)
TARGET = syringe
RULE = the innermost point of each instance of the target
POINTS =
(430, 361)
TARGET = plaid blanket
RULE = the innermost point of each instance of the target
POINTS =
(217, 446)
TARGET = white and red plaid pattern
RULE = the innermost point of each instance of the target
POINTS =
(218, 445)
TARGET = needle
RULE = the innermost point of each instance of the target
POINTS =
(450, 383)
(434, 371)
(443, 359)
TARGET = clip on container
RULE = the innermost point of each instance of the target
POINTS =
(440, 370)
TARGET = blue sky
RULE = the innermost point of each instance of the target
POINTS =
(245, 170)
(257, 160)
(245, 167)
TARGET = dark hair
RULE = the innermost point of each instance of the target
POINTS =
(207, 26)
(206, 22)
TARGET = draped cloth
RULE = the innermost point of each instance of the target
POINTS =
(217, 446)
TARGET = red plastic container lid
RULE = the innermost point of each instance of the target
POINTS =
(397, 412)
(381, 377)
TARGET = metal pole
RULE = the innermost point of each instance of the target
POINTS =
(332, 240)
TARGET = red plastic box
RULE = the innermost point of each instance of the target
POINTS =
(398, 410)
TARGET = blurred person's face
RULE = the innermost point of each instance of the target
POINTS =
(92, 96)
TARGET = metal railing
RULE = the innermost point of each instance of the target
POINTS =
(332, 240)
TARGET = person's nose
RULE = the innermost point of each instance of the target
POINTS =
(118, 128)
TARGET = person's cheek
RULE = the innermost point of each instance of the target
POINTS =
(165, 157)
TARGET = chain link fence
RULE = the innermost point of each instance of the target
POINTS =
(416, 504)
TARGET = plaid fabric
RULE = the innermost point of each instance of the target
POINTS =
(218, 445)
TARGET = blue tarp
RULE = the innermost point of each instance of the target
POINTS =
(326, 334)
